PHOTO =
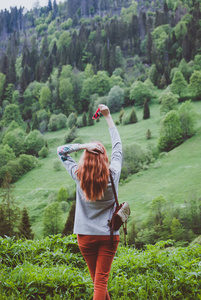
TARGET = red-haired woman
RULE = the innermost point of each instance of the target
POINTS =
(95, 202)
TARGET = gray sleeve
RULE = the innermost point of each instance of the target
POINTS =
(68, 162)
(116, 157)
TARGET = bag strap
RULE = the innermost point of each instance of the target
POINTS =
(114, 190)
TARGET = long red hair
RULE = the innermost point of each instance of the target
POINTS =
(93, 174)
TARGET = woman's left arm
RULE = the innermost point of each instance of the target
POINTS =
(68, 162)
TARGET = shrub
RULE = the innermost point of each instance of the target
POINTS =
(34, 142)
(15, 139)
(170, 132)
(27, 162)
(71, 135)
(72, 118)
(57, 122)
(115, 99)
(15, 169)
(57, 165)
(43, 152)
(121, 114)
(53, 125)
(62, 194)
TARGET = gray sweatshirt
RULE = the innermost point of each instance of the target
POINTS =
(91, 217)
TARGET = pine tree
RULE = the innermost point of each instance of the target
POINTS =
(148, 134)
(9, 212)
(28, 129)
(146, 112)
(35, 124)
(25, 226)
(84, 119)
(68, 229)
(121, 115)
(90, 115)
(133, 117)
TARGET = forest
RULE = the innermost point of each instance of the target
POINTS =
(57, 64)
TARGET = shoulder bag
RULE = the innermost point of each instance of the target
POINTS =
(120, 215)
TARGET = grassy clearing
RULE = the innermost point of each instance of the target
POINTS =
(177, 176)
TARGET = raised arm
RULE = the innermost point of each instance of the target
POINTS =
(116, 157)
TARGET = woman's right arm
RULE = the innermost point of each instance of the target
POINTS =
(116, 157)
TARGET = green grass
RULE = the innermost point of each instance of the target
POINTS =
(177, 178)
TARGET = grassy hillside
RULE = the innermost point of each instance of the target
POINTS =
(177, 176)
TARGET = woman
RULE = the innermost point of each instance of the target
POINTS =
(95, 203)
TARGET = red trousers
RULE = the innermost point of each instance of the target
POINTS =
(98, 254)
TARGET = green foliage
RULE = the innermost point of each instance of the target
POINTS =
(72, 134)
(188, 118)
(45, 97)
(195, 84)
(25, 226)
(15, 139)
(121, 114)
(115, 99)
(160, 35)
(168, 102)
(43, 152)
(51, 219)
(90, 121)
(55, 268)
(27, 162)
(170, 132)
(9, 212)
(2, 83)
(146, 111)
(139, 91)
(84, 119)
(127, 13)
(68, 228)
(57, 122)
(6, 154)
(179, 83)
(135, 159)
(62, 194)
(11, 113)
(133, 117)
(34, 142)
(72, 119)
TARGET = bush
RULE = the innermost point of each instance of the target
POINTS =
(71, 135)
(115, 99)
(15, 139)
(15, 169)
(57, 165)
(57, 122)
(71, 121)
(27, 162)
(43, 152)
(34, 142)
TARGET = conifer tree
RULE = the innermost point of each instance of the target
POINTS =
(146, 112)
(28, 129)
(68, 229)
(133, 117)
(84, 119)
(121, 115)
(90, 115)
(9, 211)
(35, 124)
(25, 226)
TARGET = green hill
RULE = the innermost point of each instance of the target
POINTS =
(175, 175)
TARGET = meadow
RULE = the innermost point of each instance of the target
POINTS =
(175, 175)
(53, 268)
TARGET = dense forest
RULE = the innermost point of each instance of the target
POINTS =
(58, 62)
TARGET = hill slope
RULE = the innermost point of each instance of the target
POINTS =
(177, 176)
